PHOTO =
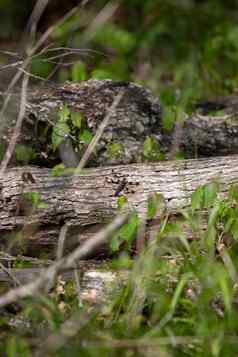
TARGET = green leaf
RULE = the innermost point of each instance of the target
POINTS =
(114, 150)
(197, 198)
(115, 244)
(115, 37)
(168, 119)
(121, 201)
(58, 170)
(178, 291)
(24, 154)
(126, 234)
(86, 136)
(151, 150)
(210, 194)
(229, 223)
(214, 214)
(233, 193)
(79, 72)
(40, 66)
(153, 204)
(225, 288)
(17, 346)
(129, 230)
(34, 197)
(61, 128)
(77, 119)
(64, 114)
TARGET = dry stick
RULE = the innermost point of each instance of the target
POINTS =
(9, 273)
(103, 16)
(47, 33)
(17, 129)
(99, 132)
(81, 165)
(27, 61)
(78, 285)
(62, 236)
(15, 64)
(36, 14)
(59, 255)
(67, 262)
(5, 257)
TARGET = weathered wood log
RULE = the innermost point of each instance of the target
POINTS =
(87, 201)
(137, 117)
(210, 135)
(96, 281)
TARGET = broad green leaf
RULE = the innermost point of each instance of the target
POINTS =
(86, 136)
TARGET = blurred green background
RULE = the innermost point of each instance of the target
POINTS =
(183, 50)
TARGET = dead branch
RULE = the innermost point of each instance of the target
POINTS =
(45, 279)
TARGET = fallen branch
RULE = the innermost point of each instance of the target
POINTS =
(45, 278)
(91, 198)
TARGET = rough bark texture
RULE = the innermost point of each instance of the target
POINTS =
(210, 136)
(137, 117)
(89, 200)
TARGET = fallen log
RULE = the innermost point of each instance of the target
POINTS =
(86, 201)
(96, 280)
(138, 117)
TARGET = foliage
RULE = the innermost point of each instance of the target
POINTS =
(179, 298)
(179, 49)
(24, 154)
(181, 295)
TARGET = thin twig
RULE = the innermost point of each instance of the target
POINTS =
(61, 241)
(36, 14)
(17, 129)
(77, 282)
(8, 272)
(67, 262)
(99, 132)
(11, 65)
(31, 52)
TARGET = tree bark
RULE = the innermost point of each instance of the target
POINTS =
(85, 202)
(138, 116)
